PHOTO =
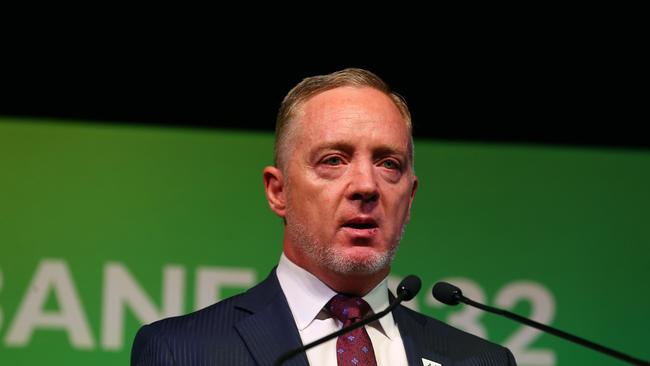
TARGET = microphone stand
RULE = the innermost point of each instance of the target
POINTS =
(554, 331)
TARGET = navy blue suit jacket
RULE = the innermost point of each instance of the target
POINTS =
(256, 327)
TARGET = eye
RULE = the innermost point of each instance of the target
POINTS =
(333, 161)
(390, 164)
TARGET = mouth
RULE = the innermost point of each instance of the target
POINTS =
(354, 225)
(360, 226)
(361, 222)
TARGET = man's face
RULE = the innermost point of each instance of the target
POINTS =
(349, 183)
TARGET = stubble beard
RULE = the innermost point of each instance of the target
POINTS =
(334, 258)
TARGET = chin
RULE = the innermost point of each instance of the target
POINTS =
(357, 260)
(365, 257)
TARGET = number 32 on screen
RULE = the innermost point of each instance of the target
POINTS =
(542, 310)
(467, 318)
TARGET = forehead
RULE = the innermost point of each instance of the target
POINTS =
(357, 114)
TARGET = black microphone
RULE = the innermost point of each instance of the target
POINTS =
(449, 294)
(406, 290)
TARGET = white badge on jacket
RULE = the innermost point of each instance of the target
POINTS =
(426, 362)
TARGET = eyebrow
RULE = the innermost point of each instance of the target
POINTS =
(348, 148)
(341, 146)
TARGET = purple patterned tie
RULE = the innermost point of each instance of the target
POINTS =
(353, 348)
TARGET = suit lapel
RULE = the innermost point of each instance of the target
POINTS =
(270, 330)
(419, 342)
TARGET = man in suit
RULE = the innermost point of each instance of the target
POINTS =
(343, 183)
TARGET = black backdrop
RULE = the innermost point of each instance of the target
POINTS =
(547, 90)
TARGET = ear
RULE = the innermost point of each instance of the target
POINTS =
(414, 188)
(274, 188)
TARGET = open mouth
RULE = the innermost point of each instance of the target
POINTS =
(361, 224)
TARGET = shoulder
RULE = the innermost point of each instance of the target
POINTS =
(211, 328)
(162, 339)
(213, 317)
(430, 334)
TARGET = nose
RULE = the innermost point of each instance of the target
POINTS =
(363, 184)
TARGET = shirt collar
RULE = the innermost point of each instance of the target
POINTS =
(307, 295)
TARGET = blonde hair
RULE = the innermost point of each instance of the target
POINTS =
(314, 85)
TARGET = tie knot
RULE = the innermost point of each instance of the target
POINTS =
(348, 309)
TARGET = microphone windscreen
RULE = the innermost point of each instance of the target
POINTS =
(410, 286)
(446, 293)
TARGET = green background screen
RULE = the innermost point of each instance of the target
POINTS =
(106, 227)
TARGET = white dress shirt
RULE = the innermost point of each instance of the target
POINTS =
(307, 296)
